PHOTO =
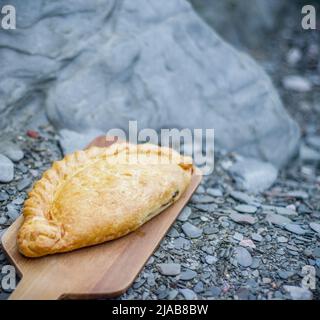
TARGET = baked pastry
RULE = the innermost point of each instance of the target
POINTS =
(100, 194)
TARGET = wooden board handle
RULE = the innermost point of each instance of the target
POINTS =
(32, 290)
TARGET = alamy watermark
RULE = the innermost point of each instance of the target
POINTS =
(309, 19)
(8, 17)
(8, 277)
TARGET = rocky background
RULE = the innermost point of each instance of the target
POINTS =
(253, 225)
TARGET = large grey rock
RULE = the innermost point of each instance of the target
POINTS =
(98, 64)
(6, 169)
(227, 17)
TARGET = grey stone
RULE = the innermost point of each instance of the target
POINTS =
(3, 196)
(242, 197)
(284, 275)
(24, 183)
(245, 208)
(3, 220)
(210, 230)
(298, 194)
(215, 292)
(6, 169)
(282, 239)
(309, 155)
(243, 256)
(285, 211)
(11, 150)
(181, 243)
(188, 275)
(315, 227)
(173, 233)
(256, 237)
(71, 141)
(298, 293)
(173, 294)
(169, 269)
(119, 78)
(198, 288)
(191, 231)
(313, 141)
(238, 236)
(215, 192)
(253, 175)
(185, 214)
(277, 219)
(294, 228)
(296, 83)
(242, 218)
(12, 212)
(316, 252)
(243, 293)
(255, 263)
(188, 294)
(210, 259)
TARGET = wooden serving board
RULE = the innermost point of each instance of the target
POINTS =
(101, 271)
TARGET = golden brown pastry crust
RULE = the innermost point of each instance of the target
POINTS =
(100, 194)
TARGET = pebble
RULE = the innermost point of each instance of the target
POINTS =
(296, 83)
(173, 233)
(316, 252)
(199, 287)
(309, 155)
(284, 275)
(12, 212)
(282, 239)
(3, 220)
(215, 192)
(215, 292)
(210, 230)
(243, 256)
(313, 141)
(188, 275)
(242, 197)
(173, 294)
(315, 227)
(242, 218)
(11, 150)
(191, 231)
(185, 214)
(256, 237)
(24, 183)
(277, 219)
(298, 194)
(204, 199)
(169, 269)
(298, 293)
(294, 55)
(6, 169)
(253, 175)
(243, 208)
(294, 228)
(255, 263)
(286, 211)
(237, 236)
(243, 293)
(181, 243)
(247, 243)
(4, 196)
(188, 294)
(210, 259)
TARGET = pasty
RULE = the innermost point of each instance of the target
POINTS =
(100, 194)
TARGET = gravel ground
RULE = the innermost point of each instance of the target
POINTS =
(228, 243)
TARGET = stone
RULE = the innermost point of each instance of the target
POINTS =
(247, 243)
(72, 141)
(12, 212)
(185, 214)
(173, 294)
(242, 218)
(243, 293)
(119, 78)
(169, 269)
(277, 219)
(284, 275)
(282, 239)
(309, 155)
(313, 142)
(294, 228)
(210, 230)
(188, 294)
(6, 169)
(298, 293)
(24, 183)
(286, 211)
(253, 175)
(198, 288)
(181, 243)
(256, 237)
(242, 197)
(294, 56)
(243, 256)
(210, 259)
(315, 226)
(191, 231)
(316, 252)
(238, 236)
(188, 275)
(296, 83)
(11, 150)
(214, 192)
(245, 208)
(3, 196)
(3, 220)
(298, 194)
(215, 292)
